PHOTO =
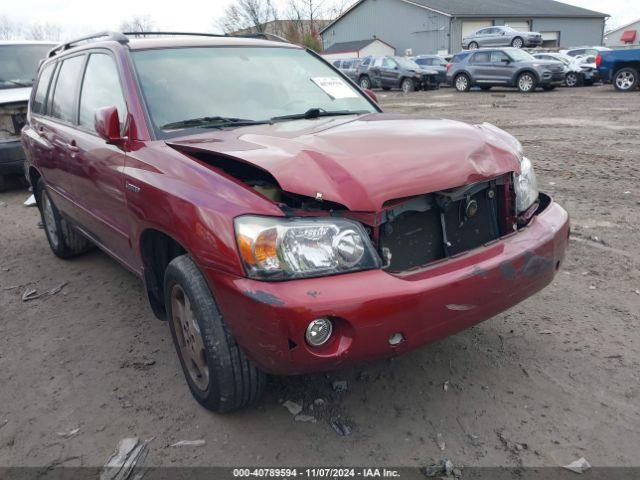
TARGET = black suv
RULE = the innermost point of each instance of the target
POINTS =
(396, 72)
(507, 67)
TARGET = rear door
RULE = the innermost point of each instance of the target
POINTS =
(59, 127)
(100, 179)
(390, 73)
(480, 67)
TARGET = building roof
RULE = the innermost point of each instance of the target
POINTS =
(623, 27)
(355, 46)
(494, 8)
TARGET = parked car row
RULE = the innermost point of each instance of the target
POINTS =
(391, 72)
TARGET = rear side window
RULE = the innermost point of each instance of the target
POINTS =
(64, 95)
(481, 57)
(100, 88)
(459, 57)
(40, 97)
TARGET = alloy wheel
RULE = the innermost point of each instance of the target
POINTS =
(473, 46)
(525, 83)
(189, 338)
(625, 80)
(462, 83)
(571, 80)
(365, 83)
(517, 43)
(50, 220)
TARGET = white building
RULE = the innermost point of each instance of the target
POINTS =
(626, 35)
(358, 49)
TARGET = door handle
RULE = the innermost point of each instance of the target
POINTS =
(72, 146)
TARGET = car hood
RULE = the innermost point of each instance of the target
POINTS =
(14, 95)
(365, 161)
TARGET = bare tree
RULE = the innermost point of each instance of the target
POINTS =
(8, 28)
(138, 23)
(44, 31)
(252, 15)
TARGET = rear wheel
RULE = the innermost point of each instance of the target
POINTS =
(365, 82)
(526, 82)
(64, 240)
(462, 83)
(473, 46)
(408, 85)
(571, 79)
(626, 79)
(218, 372)
(517, 42)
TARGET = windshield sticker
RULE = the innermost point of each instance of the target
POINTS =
(334, 87)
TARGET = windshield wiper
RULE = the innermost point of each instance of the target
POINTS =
(212, 122)
(318, 112)
(17, 84)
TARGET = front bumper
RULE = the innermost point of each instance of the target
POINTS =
(533, 42)
(269, 319)
(11, 157)
(552, 78)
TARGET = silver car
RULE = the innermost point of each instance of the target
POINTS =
(501, 37)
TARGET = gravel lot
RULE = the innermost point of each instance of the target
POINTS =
(554, 379)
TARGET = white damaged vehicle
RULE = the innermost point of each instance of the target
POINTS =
(19, 62)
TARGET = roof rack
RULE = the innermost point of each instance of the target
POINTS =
(123, 38)
(115, 36)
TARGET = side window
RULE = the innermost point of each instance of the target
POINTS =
(481, 57)
(65, 91)
(498, 57)
(388, 63)
(336, 64)
(40, 97)
(100, 88)
(484, 31)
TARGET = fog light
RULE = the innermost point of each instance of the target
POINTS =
(318, 332)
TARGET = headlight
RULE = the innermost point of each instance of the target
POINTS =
(283, 248)
(526, 186)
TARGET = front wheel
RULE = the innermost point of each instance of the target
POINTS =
(64, 240)
(571, 80)
(218, 372)
(365, 83)
(408, 85)
(517, 42)
(527, 82)
(462, 83)
(626, 79)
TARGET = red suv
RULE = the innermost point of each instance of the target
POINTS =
(281, 222)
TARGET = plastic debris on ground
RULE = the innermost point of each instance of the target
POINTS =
(32, 293)
(578, 466)
(293, 407)
(340, 427)
(126, 463)
(70, 433)
(444, 468)
(189, 443)
(30, 202)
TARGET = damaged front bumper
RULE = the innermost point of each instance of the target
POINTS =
(377, 314)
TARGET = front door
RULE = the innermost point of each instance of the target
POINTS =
(100, 179)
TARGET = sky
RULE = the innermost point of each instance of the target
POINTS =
(77, 17)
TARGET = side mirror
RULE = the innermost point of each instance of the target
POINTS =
(502, 32)
(371, 95)
(107, 125)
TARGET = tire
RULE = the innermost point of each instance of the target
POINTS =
(517, 42)
(571, 80)
(365, 82)
(64, 240)
(526, 82)
(473, 46)
(462, 82)
(408, 85)
(626, 79)
(220, 376)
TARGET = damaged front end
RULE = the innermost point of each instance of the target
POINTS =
(407, 233)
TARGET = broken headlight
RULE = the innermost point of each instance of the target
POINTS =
(284, 248)
(526, 186)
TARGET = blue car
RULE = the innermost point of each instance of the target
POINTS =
(621, 68)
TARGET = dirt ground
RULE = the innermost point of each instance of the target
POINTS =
(553, 379)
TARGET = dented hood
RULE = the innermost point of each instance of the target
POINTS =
(362, 162)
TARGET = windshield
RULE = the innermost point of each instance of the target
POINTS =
(20, 64)
(406, 63)
(520, 56)
(240, 84)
